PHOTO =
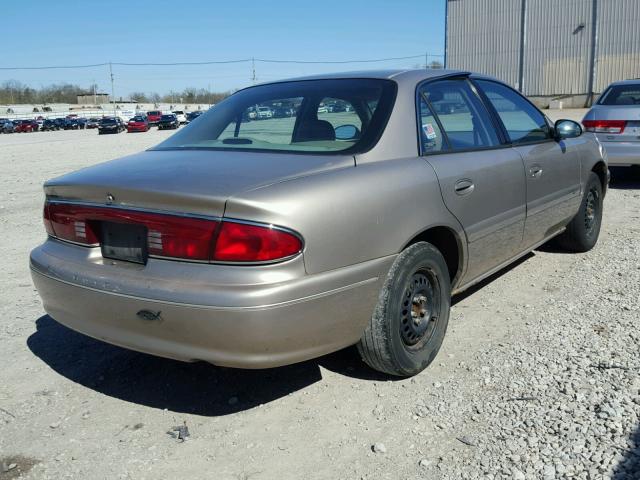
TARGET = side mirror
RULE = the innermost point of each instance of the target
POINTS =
(567, 129)
(347, 132)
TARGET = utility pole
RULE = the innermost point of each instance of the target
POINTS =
(253, 70)
(426, 60)
(209, 90)
(113, 95)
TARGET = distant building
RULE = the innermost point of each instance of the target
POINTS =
(93, 99)
(548, 49)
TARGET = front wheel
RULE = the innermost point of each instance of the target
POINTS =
(409, 322)
(583, 231)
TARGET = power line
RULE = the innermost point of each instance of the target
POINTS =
(56, 66)
(218, 62)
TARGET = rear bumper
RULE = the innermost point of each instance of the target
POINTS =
(248, 317)
(622, 153)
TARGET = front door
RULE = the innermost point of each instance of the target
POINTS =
(552, 168)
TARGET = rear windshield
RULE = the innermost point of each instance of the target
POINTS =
(108, 120)
(308, 126)
(167, 117)
(153, 113)
(621, 95)
(137, 119)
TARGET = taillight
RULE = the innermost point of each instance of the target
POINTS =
(604, 126)
(175, 236)
(70, 222)
(47, 220)
(241, 242)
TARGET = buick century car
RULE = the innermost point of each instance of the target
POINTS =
(262, 243)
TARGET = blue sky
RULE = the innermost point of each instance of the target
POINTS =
(73, 32)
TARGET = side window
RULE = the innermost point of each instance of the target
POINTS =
(462, 115)
(524, 123)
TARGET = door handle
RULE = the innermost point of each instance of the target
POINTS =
(464, 187)
(535, 171)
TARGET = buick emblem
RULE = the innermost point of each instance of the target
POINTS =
(110, 199)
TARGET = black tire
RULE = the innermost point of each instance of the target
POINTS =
(582, 232)
(403, 337)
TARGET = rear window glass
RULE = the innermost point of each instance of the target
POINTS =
(621, 95)
(167, 117)
(320, 116)
(153, 113)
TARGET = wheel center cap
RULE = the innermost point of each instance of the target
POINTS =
(419, 308)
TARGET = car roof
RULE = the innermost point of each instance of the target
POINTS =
(382, 74)
(406, 76)
(631, 81)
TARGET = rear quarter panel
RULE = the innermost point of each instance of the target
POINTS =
(353, 214)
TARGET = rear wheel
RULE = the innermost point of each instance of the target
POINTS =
(583, 231)
(408, 325)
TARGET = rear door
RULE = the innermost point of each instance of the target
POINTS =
(482, 180)
(552, 167)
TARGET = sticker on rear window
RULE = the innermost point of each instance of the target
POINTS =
(429, 131)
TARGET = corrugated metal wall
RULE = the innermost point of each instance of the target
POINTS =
(556, 53)
(472, 42)
(618, 50)
(485, 36)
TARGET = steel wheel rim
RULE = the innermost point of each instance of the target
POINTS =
(591, 211)
(419, 309)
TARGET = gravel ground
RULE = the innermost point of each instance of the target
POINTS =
(537, 377)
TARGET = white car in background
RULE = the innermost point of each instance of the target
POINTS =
(264, 113)
(182, 118)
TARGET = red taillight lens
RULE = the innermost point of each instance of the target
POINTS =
(179, 237)
(167, 235)
(70, 222)
(47, 220)
(604, 126)
(240, 242)
(175, 236)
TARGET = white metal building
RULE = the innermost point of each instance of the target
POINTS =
(567, 49)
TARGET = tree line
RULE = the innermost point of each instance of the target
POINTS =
(15, 92)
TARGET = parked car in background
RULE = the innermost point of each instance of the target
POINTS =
(180, 116)
(263, 113)
(24, 126)
(168, 121)
(138, 123)
(191, 116)
(82, 123)
(153, 117)
(49, 125)
(73, 123)
(93, 122)
(282, 112)
(60, 122)
(223, 244)
(110, 125)
(6, 126)
(615, 120)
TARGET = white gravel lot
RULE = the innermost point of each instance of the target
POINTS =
(538, 377)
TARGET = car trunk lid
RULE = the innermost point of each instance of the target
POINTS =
(185, 181)
(629, 114)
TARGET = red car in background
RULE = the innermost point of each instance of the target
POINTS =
(139, 123)
(26, 126)
(153, 117)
